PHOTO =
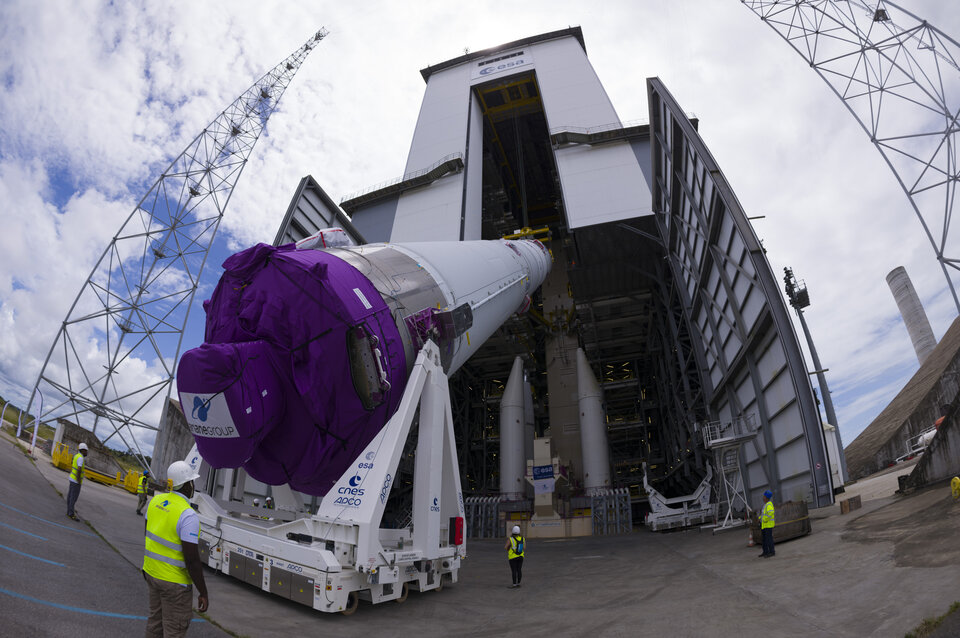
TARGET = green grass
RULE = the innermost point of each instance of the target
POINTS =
(928, 625)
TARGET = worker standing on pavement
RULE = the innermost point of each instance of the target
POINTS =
(515, 548)
(76, 480)
(142, 491)
(766, 525)
(171, 561)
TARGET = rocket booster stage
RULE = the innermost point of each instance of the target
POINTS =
(307, 352)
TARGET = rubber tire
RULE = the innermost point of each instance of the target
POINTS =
(440, 586)
(353, 601)
(403, 596)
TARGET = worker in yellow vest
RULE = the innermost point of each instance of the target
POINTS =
(142, 491)
(515, 548)
(171, 560)
(766, 525)
(76, 480)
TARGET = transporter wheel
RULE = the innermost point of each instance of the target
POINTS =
(353, 601)
(403, 593)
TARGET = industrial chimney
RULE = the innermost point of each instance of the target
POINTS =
(912, 311)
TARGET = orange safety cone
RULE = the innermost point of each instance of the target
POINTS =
(750, 542)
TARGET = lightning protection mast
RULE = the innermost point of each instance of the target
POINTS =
(899, 77)
(114, 358)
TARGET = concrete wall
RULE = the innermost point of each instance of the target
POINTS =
(928, 410)
(98, 458)
(942, 458)
(174, 440)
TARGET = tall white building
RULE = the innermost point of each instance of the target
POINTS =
(658, 275)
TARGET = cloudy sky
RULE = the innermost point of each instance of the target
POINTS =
(99, 96)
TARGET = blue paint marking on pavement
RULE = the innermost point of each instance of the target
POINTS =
(72, 529)
(10, 549)
(17, 529)
(79, 610)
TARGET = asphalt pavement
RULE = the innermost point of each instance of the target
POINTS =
(877, 571)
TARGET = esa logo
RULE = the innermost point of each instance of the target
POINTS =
(501, 67)
(435, 507)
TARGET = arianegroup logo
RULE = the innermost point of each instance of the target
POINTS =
(200, 408)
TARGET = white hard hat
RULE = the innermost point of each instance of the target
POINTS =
(82, 446)
(269, 498)
(256, 501)
(180, 472)
(516, 529)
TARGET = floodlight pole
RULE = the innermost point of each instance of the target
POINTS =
(800, 299)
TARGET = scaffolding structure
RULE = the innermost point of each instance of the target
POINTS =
(114, 358)
(899, 76)
(725, 441)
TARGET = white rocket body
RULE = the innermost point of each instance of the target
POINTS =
(492, 278)
(512, 458)
(593, 431)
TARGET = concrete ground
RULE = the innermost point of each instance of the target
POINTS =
(877, 571)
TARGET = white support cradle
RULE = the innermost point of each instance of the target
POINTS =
(334, 558)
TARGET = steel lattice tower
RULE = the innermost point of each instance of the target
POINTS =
(132, 310)
(901, 83)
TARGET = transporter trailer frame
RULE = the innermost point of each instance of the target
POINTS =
(340, 555)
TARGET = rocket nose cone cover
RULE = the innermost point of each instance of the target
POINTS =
(231, 396)
(281, 329)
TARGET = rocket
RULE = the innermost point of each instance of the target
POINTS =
(307, 351)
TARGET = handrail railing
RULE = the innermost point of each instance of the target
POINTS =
(403, 178)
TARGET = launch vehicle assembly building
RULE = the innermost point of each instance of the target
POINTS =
(658, 276)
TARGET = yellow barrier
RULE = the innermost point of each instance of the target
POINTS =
(100, 477)
(62, 458)
(131, 481)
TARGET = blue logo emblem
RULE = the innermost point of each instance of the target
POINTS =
(371, 455)
(434, 501)
(355, 480)
(200, 408)
(165, 503)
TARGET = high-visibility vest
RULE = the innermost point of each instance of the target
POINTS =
(142, 487)
(767, 518)
(163, 553)
(516, 542)
(76, 469)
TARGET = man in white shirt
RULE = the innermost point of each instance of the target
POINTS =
(171, 560)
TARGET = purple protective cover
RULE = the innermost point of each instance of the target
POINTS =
(276, 347)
